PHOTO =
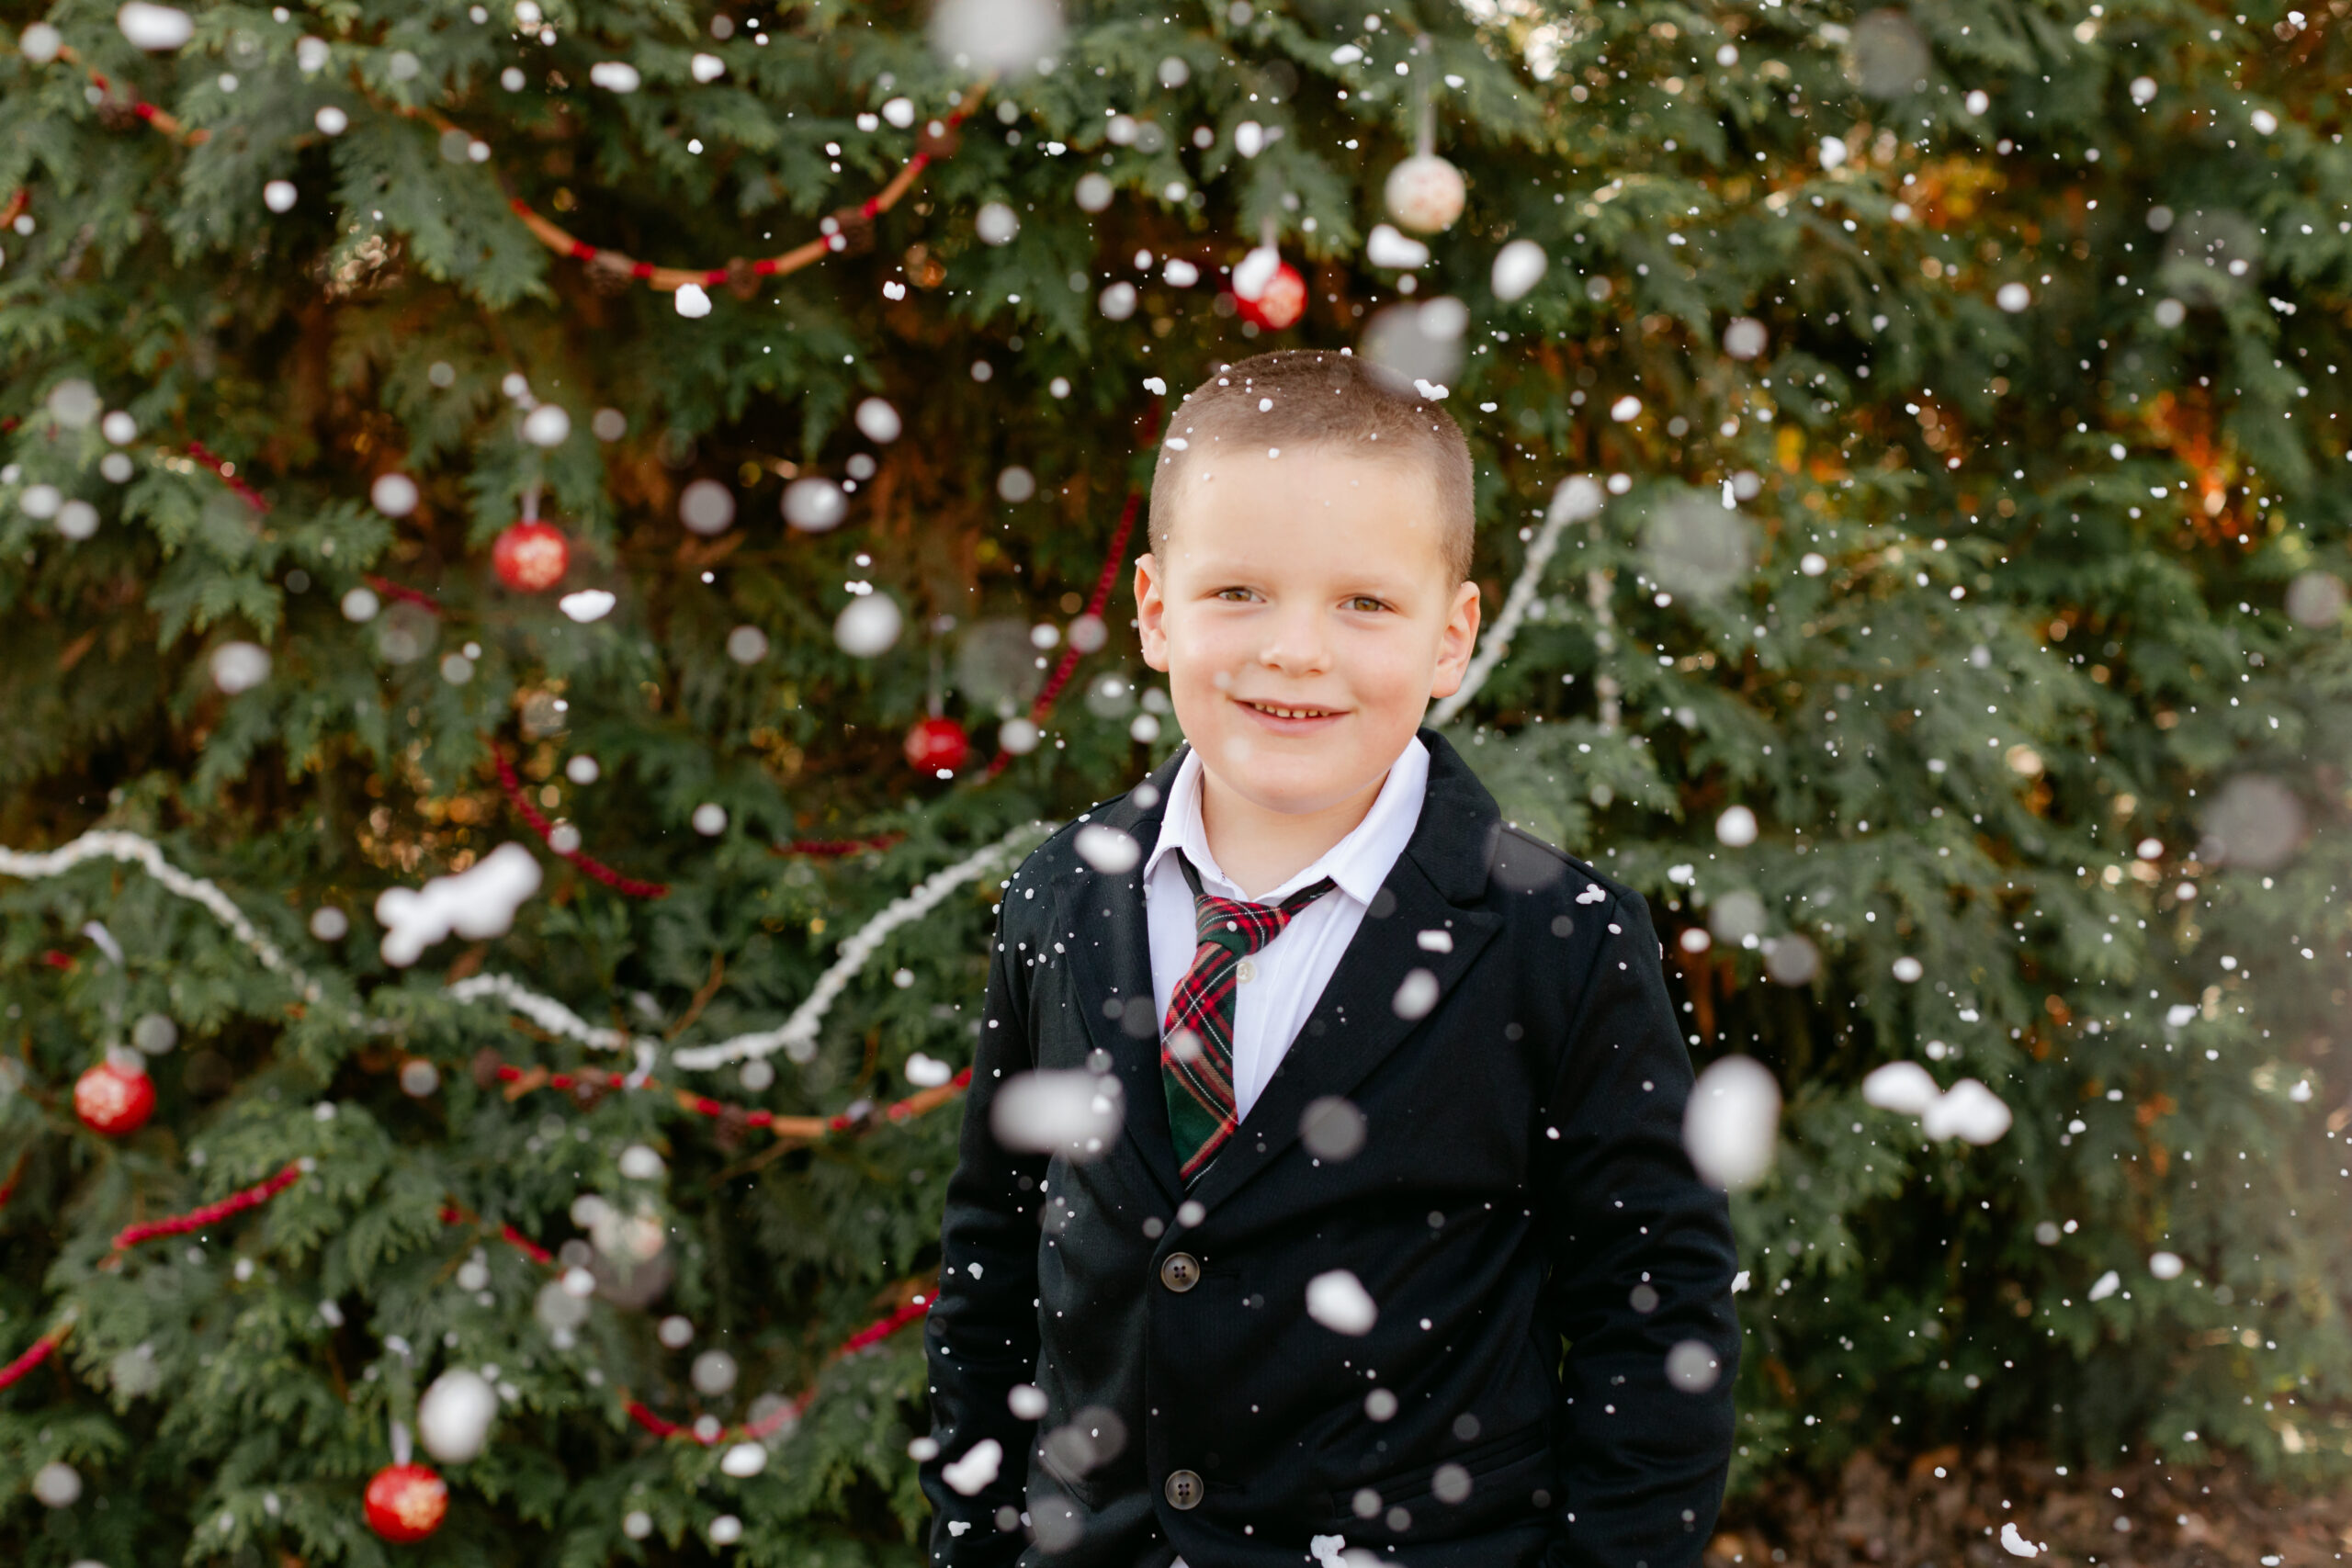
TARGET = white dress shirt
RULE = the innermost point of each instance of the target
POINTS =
(1283, 980)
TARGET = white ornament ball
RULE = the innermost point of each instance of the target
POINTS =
(57, 1484)
(1017, 735)
(453, 1418)
(394, 495)
(279, 196)
(547, 426)
(1426, 194)
(868, 625)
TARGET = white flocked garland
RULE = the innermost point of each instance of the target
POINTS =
(796, 1036)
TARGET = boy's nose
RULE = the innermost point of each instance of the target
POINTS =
(1296, 643)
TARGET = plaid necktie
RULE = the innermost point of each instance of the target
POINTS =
(1196, 1040)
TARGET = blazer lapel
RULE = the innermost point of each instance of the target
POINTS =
(1358, 1022)
(1115, 974)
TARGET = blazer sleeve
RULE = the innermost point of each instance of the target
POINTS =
(1641, 1261)
(980, 1338)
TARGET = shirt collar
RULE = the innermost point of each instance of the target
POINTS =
(1358, 863)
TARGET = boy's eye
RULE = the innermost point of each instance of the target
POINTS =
(1223, 592)
(1366, 602)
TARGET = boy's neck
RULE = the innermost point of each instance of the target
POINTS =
(1259, 850)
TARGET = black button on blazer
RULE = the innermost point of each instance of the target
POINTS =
(1521, 1212)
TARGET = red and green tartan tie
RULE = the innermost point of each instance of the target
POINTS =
(1196, 1040)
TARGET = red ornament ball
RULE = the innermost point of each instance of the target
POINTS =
(1280, 304)
(114, 1099)
(530, 556)
(406, 1502)
(936, 743)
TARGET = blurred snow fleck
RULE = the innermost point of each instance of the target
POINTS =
(1057, 1110)
(74, 404)
(239, 666)
(1737, 827)
(707, 507)
(995, 224)
(814, 504)
(1519, 266)
(927, 1072)
(2106, 1285)
(1107, 849)
(1745, 337)
(878, 422)
(1901, 1086)
(977, 1469)
(588, 605)
(615, 76)
(1791, 960)
(156, 29)
(706, 67)
(2165, 1265)
(1000, 35)
(1026, 1401)
(1730, 1124)
(1389, 246)
(1332, 1128)
(2257, 822)
(693, 303)
(476, 904)
(1968, 1110)
(2013, 296)
(1693, 1367)
(1337, 1300)
(1908, 969)
(713, 1372)
(1417, 995)
(868, 625)
(747, 645)
(2014, 1543)
(710, 820)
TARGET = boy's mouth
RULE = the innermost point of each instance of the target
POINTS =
(1289, 713)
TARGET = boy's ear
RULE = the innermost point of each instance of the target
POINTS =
(1151, 612)
(1457, 642)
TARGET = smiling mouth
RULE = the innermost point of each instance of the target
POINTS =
(1291, 712)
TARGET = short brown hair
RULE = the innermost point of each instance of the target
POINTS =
(1322, 399)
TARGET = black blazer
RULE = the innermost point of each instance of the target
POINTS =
(1521, 1181)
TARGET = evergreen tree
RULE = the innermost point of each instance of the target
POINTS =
(1913, 555)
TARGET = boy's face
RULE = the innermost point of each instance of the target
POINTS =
(1312, 583)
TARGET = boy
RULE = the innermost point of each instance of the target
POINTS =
(1396, 1092)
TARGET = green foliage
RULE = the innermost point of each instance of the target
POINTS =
(2008, 598)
